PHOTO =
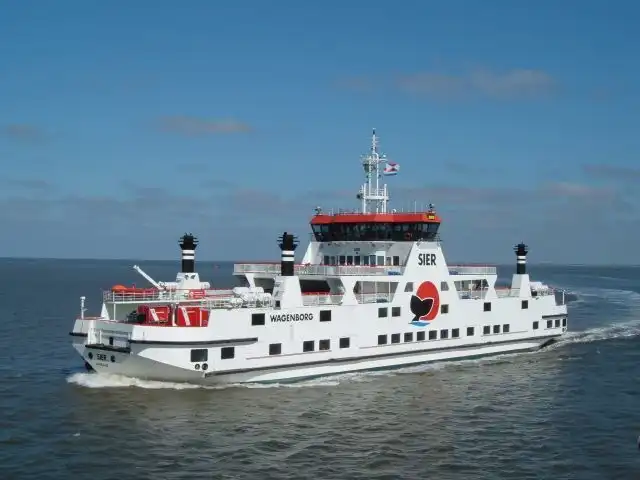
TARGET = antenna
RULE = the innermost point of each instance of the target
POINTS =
(374, 199)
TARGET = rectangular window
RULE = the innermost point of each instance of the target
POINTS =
(380, 260)
(275, 349)
(444, 334)
(408, 287)
(470, 332)
(564, 322)
(525, 304)
(382, 312)
(344, 342)
(487, 306)
(199, 355)
(365, 260)
(496, 329)
(257, 319)
(356, 260)
(455, 333)
(420, 336)
(549, 323)
(444, 308)
(372, 260)
(395, 338)
(325, 315)
(349, 259)
(505, 328)
(535, 325)
(395, 311)
(327, 259)
(433, 335)
(486, 330)
(388, 262)
(444, 286)
(308, 346)
(324, 345)
(227, 353)
(557, 321)
(342, 259)
(382, 339)
(396, 261)
(408, 337)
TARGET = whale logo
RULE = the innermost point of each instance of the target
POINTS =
(425, 304)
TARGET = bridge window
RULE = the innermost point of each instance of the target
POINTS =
(308, 346)
(199, 355)
(275, 349)
(420, 336)
(408, 337)
(376, 231)
(227, 353)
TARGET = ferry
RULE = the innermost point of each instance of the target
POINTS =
(372, 291)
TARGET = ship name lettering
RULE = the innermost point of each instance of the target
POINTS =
(426, 259)
(291, 317)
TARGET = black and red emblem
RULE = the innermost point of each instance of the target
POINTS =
(425, 304)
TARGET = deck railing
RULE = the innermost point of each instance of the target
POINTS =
(152, 295)
(323, 270)
(472, 270)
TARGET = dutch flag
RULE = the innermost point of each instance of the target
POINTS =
(391, 168)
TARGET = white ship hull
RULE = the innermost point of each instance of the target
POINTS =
(137, 366)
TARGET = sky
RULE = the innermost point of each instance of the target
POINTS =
(124, 124)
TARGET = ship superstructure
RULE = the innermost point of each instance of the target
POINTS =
(373, 290)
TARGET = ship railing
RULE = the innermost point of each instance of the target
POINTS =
(153, 295)
(472, 270)
(504, 292)
(321, 270)
(312, 299)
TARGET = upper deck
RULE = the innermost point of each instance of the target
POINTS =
(273, 269)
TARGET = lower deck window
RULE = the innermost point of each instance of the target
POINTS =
(344, 342)
(395, 338)
(382, 339)
(227, 353)
(324, 345)
(275, 349)
(469, 331)
(455, 333)
(308, 346)
(420, 336)
(199, 355)
(433, 335)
